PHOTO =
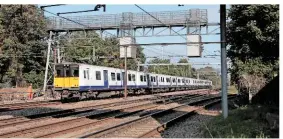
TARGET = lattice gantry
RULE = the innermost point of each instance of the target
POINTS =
(139, 20)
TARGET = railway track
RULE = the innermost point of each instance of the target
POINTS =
(60, 126)
(61, 113)
(19, 106)
(97, 125)
(149, 125)
(67, 112)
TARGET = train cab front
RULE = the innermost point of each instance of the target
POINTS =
(66, 79)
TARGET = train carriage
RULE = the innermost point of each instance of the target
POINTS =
(77, 80)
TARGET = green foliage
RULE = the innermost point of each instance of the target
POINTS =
(22, 29)
(232, 90)
(245, 122)
(107, 52)
(23, 36)
(210, 74)
(34, 78)
(253, 38)
(175, 70)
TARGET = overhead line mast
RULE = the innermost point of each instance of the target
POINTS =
(223, 61)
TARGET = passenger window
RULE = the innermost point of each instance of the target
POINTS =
(84, 74)
(118, 77)
(87, 74)
(144, 78)
(151, 78)
(133, 77)
(113, 76)
(141, 78)
(98, 75)
(129, 77)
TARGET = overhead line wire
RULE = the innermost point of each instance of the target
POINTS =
(75, 22)
(158, 20)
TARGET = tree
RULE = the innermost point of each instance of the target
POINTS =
(174, 70)
(211, 74)
(253, 36)
(253, 39)
(107, 51)
(22, 29)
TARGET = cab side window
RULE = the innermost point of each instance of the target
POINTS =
(84, 74)
(59, 73)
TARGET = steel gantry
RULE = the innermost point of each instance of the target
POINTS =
(193, 21)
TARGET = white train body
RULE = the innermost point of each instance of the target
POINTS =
(73, 78)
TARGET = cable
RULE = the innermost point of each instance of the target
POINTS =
(77, 22)
(159, 20)
(158, 53)
(66, 18)
(208, 54)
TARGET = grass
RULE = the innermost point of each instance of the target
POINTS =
(245, 122)
(232, 90)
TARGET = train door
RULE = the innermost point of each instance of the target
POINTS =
(105, 75)
(74, 75)
(157, 81)
(66, 76)
(148, 80)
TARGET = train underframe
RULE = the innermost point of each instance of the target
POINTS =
(67, 94)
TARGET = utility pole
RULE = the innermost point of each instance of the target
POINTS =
(93, 54)
(54, 62)
(58, 52)
(125, 75)
(190, 74)
(47, 64)
(138, 68)
(223, 61)
(197, 75)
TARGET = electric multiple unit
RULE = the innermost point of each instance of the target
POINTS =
(77, 80)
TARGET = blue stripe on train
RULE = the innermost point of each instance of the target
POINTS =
(85, 88)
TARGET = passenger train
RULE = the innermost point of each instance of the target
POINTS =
(74, 80)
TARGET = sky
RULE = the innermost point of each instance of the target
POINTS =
(150, 51)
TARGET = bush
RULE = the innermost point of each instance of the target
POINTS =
(244, 122)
